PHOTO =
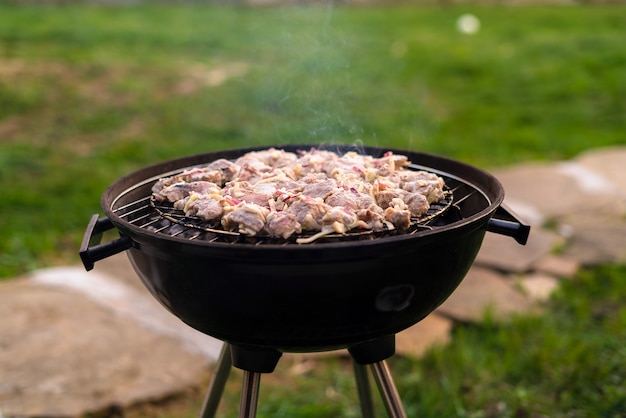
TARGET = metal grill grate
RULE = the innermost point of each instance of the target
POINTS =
(143, 213)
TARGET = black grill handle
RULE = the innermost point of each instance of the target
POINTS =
(505, 222)
(91, 250)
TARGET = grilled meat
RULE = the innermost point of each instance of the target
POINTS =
(309, 211)
(181, 189)
(247, 218)
(282, 224)
(400, 218)
(281, 194)
(321, 187)
(416, 203)
(204, 206)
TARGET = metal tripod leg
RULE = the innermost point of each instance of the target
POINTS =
(364, 391)
(252, 382)
(216, 389)
(249, 394)
(261, 361)
(388, 390)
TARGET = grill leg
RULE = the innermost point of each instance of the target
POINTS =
(374, 353)
(364, 391)
(218, 382)
(252, 382)
(253, 361)
(387, 389)
(249, 394)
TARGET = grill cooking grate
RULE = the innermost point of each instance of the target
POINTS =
(164, 220)
(167, 211)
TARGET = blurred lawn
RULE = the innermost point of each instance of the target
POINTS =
(89, 93)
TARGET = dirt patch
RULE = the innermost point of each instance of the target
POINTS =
(198, 76)
(48, 94)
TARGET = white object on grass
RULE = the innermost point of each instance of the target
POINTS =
(468, 24)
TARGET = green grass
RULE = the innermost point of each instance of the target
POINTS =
(89, 93)
(569, 362)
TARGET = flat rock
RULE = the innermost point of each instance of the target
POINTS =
(556, 265)
(558, 189)
(610, 164)
(63, 355)
(505, 254)
(525, 211)
(119, 268)
(434, 330)
(596, 239)
(132, 303)
(483, 292)
(538, 286)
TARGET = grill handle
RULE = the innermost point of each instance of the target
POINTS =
(91, 250)
(505, 222)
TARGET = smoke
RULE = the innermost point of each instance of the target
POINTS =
(308, 92)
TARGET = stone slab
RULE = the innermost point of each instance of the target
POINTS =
(119, 268)
(538, 286)
(525, 211)
(557, 189)
(505, 254)
(434, 330)
(556, 265)
(133, 303)
(482, 292)
(610, 163)
(63, 355)
(596, 240)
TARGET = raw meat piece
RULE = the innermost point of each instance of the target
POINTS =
(321, 188)
(282, 224)
(416, 203)
(340, 220)
(207, 207)
(247, 218)
(180, 190)
(400, 218)
(309, 212)
(281, 194)
(350, 199)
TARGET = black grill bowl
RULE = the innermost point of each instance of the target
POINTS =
(309, 297)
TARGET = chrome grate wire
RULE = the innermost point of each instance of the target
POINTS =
(144, 214)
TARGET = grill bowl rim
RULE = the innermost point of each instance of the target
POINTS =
(489, 187)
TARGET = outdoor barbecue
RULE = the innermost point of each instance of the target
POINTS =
(265, 294)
